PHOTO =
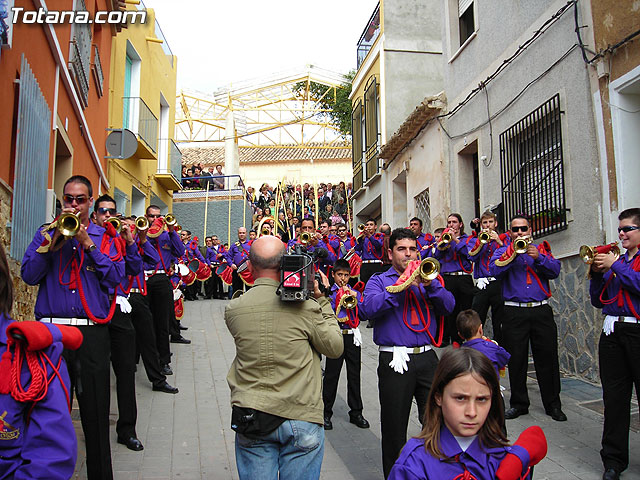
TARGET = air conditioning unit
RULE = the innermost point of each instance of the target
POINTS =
(51, 206)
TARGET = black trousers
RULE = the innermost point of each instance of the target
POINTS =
(396, 392)
(368, 269)
(160, 298)
(89, 374)
(536, 325)
(619, 357)
(332, 369)
(142, 321)
(491, 296)
(123, 361)
(463, 290)
(213, 287)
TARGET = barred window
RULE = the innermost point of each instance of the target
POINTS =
(532, 170)
(80, 57)
(97, 69)
(356, 145)
(371, 128)
(423, 209)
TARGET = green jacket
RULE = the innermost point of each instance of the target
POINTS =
(278, 345)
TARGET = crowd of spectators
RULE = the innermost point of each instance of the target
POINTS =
(198, 177)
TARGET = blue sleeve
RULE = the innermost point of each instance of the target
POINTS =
(629, 278)
(494, 269)
(595, 289)
(150, 254)
(35, 266)
(377, 301)
(177, 247)
(442, 299)
(403, 472)
(199, 255)
(109, 272)
(547, 266)
(502, 356)
(133, 260)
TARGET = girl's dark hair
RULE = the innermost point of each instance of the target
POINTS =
(459, 217)
(6, 284)
(455, 363)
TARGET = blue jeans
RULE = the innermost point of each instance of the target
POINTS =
(295, 449)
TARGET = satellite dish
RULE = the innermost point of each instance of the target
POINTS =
(122, 143)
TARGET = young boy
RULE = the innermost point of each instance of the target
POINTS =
(469, 328)
(348, 320)
(428, 248)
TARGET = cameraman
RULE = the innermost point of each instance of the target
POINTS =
(275, 378)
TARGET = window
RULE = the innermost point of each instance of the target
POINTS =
(423, 209)
(80, 57)
(97, 70)
(356, 145)
(6, 24)
(532, 170)
(371, 128)
(466, 20)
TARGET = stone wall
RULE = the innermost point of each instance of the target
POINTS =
(24, 296)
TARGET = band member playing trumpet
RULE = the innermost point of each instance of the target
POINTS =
(452, 251)
(423, 240)
(75, 274)
(528, 316)
(408, 322)
(489, 293)
(313, 241)
(615, 288)
(344, 245)
(370, 250)
(345, 302)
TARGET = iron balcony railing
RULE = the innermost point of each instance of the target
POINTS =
(372, 162)
(216, 183)
(97, 69)
(172, 158)
(80, 68)
(139, 118)
(357, 177)
(369, 35)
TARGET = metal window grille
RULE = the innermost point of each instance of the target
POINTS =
(32, 162)
(97, 69)
(532, 170)
(371, 128)
(122, 201)
(80, 58)
(423, 209)
(141, 120)
(356, 145)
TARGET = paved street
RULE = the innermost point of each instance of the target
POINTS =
(187, 436)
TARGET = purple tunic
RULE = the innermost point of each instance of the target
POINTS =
(238, 252)
(46, 447)
(343, 313)
(518, 284)
(482, 259)
(322, 264)
(169, 247)
(191, 252)
(370, 248)
(387, 310)
(149, 260)
(52, 270)
(212, 255)
(626, 278)
(415, 463)
(498, 355)
(341, 248)
(456, 257)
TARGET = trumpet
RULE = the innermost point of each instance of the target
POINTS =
(429, 269)
(177, 228)
(264, 230)
(115, 221)
(170, 219)
(69, 224)
(142, 224)
(484, 237)
(348, 301)
(521, 244)
(305, 237)
(588, 253)
(361, 227)
(445, 241)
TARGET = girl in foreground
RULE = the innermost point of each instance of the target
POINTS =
(462, 435)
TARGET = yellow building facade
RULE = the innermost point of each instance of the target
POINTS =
(142, 100)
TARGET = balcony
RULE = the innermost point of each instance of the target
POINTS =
(139, 118)
(97, 70)
(169, 173)
(369, 35)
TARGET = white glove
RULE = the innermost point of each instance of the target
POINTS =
(609, 324)
(400, 359)
(357, 337)
(482, 283)
(177, 293)
(125, 306)
(183, 270)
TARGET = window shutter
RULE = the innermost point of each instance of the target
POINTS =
(463, 5)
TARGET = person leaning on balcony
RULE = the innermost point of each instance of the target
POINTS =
(615, 288)
(75, 274)
(529, 317)
(278, 418)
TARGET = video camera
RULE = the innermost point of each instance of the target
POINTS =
(297, 274)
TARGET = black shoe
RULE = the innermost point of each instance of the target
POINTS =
(182, 327)
(327, 423)
(165, 387)
(359, 421)
(610, 474)
(514, 412)
(166, 370)
(132, 443)
(179, 339)
(557, 414)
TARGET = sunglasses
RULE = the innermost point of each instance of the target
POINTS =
(154, 216)
(628, 228)
(521, 228)
(103, 210)
(80, 199)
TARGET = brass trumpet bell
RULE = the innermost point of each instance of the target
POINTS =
(429, 269)
(348, 301)
(588, 253)
(305, 237)
(262, 229)
(115, 221)
(69, 224)
(170, 219)
(445, 241)
(361, 227)
(142, 224)
(521, 244)
(484, 237)
(177, 228)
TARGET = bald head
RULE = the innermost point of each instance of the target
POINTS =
(265, 256)
(242, 234)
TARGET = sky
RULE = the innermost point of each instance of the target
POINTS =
(219, 42)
